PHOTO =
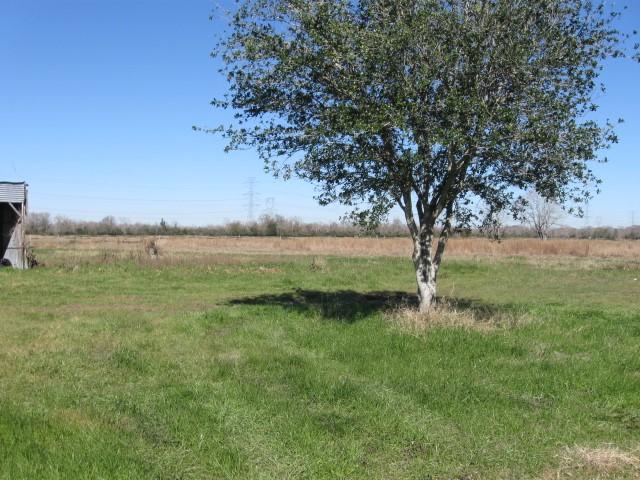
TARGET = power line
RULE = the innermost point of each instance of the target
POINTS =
(136, 186)
(122, 199)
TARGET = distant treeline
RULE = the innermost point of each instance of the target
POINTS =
(266, 226)
(273, 226)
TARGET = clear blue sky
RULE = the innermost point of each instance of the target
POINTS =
(97, 100)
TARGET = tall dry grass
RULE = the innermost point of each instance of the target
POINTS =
(449, 314)
(348, 246)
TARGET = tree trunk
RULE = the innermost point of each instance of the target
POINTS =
(426, 260)
(425, 274)
(426, 290)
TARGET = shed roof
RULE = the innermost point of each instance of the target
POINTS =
(13, 192)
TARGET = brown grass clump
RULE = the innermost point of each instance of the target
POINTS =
(318, 264)
(458, 314)
(604, 462)
(151, 247)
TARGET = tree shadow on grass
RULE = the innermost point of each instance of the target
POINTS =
(349, 306)
(342, 305)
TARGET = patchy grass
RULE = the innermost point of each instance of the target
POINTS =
(288, 367)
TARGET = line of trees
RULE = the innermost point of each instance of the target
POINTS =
(266, 225)
(276, 225)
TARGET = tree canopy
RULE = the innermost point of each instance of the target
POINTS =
(449, 109)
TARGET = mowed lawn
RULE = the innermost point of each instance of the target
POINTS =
(289, 368)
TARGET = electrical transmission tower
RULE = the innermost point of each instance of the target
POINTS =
(251, 197)
(586, 215)
(270, 206)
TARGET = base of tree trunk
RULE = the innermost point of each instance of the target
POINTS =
(426, 296)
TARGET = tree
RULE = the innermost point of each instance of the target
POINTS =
(39, 223)
(540, 214)
(430, 105)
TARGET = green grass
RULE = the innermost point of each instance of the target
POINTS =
(270, 369)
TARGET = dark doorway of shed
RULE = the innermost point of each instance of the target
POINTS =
(8, 222)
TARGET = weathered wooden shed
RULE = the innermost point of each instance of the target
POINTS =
(13, 212)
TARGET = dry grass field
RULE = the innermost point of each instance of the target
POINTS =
(347, 246)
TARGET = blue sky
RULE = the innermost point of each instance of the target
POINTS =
(97, 100)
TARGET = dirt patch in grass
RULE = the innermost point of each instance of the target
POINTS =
(75, 418)
(233, 356)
